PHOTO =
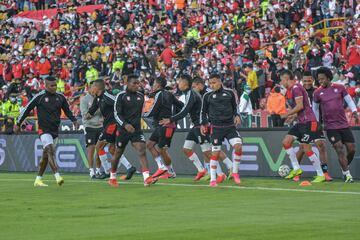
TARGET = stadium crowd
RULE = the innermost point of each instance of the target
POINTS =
(247, 42)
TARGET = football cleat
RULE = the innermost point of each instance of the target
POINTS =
(40, 183)
(149, 181)
(159, 172)
(213, 184)
(168, 175)
(294, 173)
(200, 175)
(60, 181)
(328, 178)
(349, 179)
(220, 178)
(318, 179)
(296, 178)
(113, 183)
(236, 177)
(103, 176)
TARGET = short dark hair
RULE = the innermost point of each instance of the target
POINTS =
(326, 71)
(277, 89)
(307, 74)
(215, 75)
(132, 77)
(161, 81)
(287, 72)
(187, 78)
(98, 82)
(50, 79)
(198, 80)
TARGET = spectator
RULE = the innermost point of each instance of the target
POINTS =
(276, 106)
(10, 111)
(252, 82)
(245, 108)
(91, 74)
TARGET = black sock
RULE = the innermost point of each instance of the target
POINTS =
(324, 167)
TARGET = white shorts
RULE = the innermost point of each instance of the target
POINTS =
(46, 139)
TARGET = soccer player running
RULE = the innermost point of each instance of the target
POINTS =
(92, 131)
(193, 106)
(308, 84)
(165, 103)
(306, 130)
(128, 110)
(49, 104)
(219, 108)
(330, 98)
(105, 102)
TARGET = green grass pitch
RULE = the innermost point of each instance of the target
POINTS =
(263, 208)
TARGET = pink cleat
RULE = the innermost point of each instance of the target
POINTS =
(236, 178)
(213, 184)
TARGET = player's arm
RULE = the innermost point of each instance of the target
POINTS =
(94, 107)
(66, 108)
(204, 110)
(298, 107)
(189, 102)
(25, 112)
(155, 107)
(350, 102)
(234, 104)
(118, 109)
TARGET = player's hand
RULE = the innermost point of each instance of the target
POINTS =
(237, 120)
(88, 116)
(76, 125)
(356, 117)
(129, 128)
(165, 121)
(203, 130)
(16, 129)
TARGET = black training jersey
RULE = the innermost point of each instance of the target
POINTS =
(128, 108)
(106, 104)
(219, 107)
(164, 106)
(192, 106)
(49, 108)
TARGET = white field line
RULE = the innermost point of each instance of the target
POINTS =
(200, 185)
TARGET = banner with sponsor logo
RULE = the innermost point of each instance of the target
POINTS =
(262, 154)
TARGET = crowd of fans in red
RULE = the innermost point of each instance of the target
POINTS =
(169, 37)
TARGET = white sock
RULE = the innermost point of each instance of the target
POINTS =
(236, 162)
(316, 163)
(38, 178)
(195, 160)
(104, 162)
(213, 167)
(112, 175)
(98, 170)
(92, 172)
(160, 163)
(57, 175)
(125, 162)
(146, 174)
(346, 173)
(292, 155)
(228, 163)
(207, 166)
(218, 169)
(170, 169)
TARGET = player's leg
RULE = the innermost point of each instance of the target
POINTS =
(217, 137)
(235, 141)
(90, 150)
(228, 163)
(151, 146)
(140, 148)
(42, 168)
(164, 143)
(315, 162)
(188, 147)
(114, 165)
(321, 146)
(300, 154)
(288, 146)
(100, 149)
(349, 141)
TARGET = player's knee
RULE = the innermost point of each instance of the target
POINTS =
(351, 149)
(187, 152)
(286, 144)
(150, 145)
(321, 146)
(238, 148)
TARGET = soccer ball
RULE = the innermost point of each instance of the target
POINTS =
(284, 170)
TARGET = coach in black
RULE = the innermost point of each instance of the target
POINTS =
(219, 108)
(49, 104)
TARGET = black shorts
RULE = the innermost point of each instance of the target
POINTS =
(162, 136)
(195, 135)
(344, 135)
(123, 137)
(109, 133)
(92, 135)
(218, 134)
(307, 133)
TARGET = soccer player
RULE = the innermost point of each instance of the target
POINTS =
(163, 106)
(92, 131)
(128, 111)
(308, 84)
(219, 108)
(49, 104)
(306, 130)
(193, 106)
(105, 101)
(330, 98)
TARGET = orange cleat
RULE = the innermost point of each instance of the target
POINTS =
(200, 175)
(213, 184)
(113, 183)
(221, 178)
(296, 178)
(328, 178)
(159, 172)
(236, 178)
(123, 177)
(168, 175)
(149, 181)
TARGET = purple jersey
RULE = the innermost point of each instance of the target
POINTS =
(306, 114)
(331, 100)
